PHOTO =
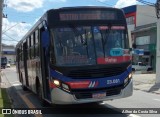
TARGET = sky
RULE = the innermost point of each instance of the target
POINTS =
(23, 14)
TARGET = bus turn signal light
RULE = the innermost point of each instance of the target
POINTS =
(65, 87)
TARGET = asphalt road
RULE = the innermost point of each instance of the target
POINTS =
(139, 102)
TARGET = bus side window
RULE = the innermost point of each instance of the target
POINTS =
(36, 43)
(28, 48)
(19, 54)
(22, 53)
(32, 47)
(29, 51)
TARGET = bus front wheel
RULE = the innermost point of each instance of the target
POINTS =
(39, 93)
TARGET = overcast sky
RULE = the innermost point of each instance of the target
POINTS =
(29, 11)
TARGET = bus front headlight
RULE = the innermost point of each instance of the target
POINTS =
(130, 76)
(127, 79)
(61, 85)
(57, 83)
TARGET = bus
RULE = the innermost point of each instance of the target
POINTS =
(77, 55)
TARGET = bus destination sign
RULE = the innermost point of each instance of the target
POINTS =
(92, 15)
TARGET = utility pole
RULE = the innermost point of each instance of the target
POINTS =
(157, 5)
(1, 16)
(158, 53)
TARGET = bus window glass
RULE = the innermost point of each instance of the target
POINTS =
(36, 36)
(74, 46)
(32, 40)
(85, 45)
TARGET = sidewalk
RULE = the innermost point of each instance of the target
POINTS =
(146, 82)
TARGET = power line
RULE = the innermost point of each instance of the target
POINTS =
(10, 37)
(12, 27)
(146, 3)
(9, 40)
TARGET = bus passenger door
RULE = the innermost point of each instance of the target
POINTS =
(44, 63)
(25, 62)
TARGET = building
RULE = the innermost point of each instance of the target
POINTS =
(138, 15)
(146, 39)
(9, 52)
(141, 21)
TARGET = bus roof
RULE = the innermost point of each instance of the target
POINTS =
(85, 7)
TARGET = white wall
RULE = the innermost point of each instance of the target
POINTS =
(145, 15)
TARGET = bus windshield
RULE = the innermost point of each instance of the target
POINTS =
(75, 46)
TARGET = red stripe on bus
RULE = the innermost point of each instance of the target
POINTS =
(79, 84)
(112, 60)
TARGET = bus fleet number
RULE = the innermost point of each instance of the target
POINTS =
(114, 81)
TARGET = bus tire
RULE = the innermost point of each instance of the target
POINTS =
(23, 86)
(39, 93)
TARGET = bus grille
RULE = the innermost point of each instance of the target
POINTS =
(95, 73)
(109, 92)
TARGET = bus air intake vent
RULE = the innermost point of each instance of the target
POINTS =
(96, 73)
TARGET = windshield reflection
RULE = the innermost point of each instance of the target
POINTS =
(75, 46)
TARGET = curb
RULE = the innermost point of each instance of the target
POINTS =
(147, 91)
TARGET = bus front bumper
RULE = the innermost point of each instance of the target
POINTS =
(59, 96)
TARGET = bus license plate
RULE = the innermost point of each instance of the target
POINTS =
(99, 95)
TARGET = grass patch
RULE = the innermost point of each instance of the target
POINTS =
(4, 101)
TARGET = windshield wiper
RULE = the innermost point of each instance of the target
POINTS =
(106, 38)
(107, 35)
(102, 40)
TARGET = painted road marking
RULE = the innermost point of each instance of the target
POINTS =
(16, 84)
(133, 115)
(28, 103)
(157, 99)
